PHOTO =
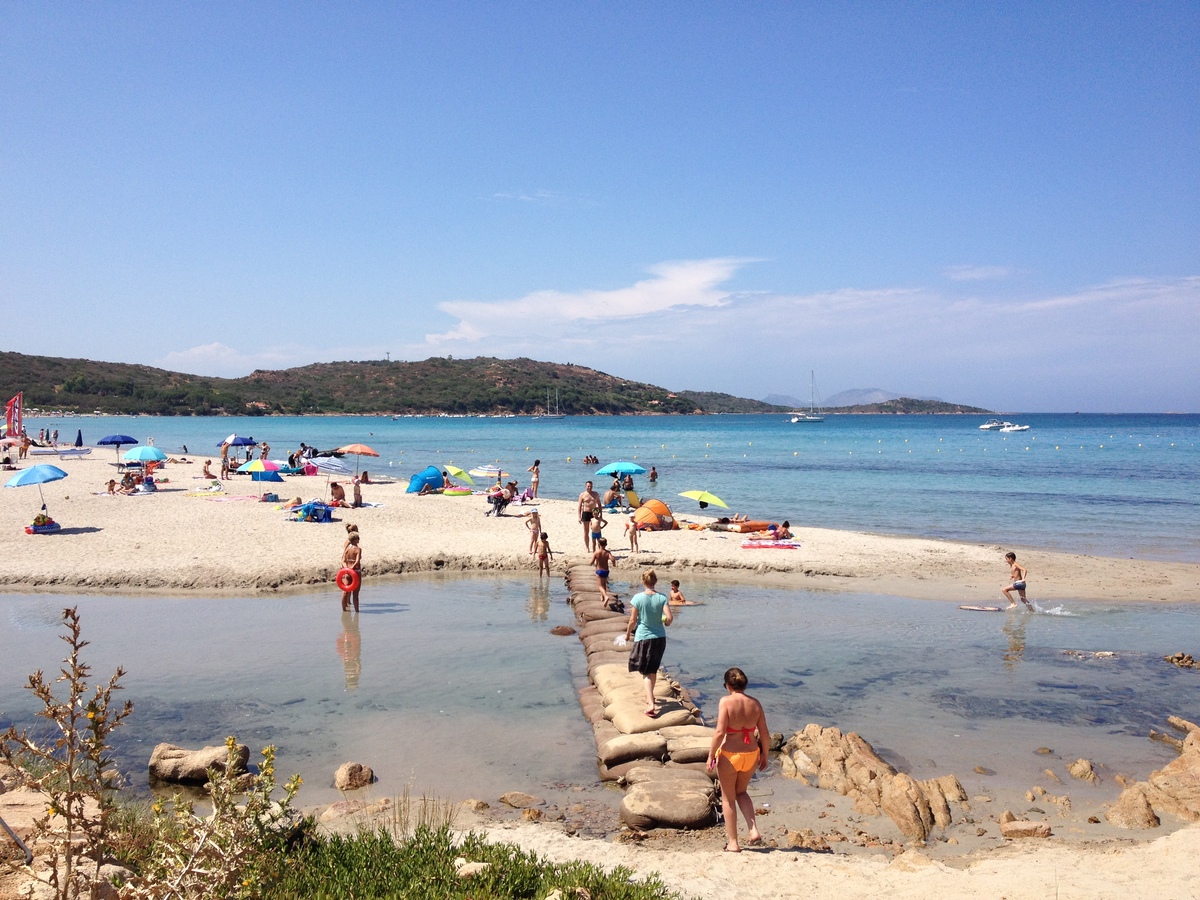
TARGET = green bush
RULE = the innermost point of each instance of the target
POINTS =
(374, 865)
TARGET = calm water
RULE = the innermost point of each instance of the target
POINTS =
(455, 685)
(1117, 485)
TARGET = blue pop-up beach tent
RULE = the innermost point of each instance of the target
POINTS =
(431, 476)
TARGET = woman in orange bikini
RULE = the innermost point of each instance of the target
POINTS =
(738, 748)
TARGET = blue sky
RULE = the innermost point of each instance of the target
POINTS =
(994, 203)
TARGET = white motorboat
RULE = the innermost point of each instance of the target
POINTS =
(1009, 428)
(993, 425)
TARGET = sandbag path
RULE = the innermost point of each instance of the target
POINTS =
(660, 761)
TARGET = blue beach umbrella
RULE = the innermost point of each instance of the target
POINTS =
(237, 440)
(144, 454)
(39, 475)
(116, 441)
(621, 468)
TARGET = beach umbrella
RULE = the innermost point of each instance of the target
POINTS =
(489, 472)
(262, 470)
(456, 472)
(79, 437)
(621, 468)
(359, 450)
(704, 498)
(144, 454)
(237, 440)
(39, 475)
(330, 465)
(115, 441)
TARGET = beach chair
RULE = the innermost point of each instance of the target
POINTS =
(497, 504)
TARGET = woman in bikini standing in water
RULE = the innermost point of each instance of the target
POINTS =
(738, 748)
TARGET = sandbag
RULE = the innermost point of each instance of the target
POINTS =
(663, 805)
(689, 749)
(682, 731)
(608, 626)
(600, 643)
(608, 658)
(620, 770)
(685, 776)
(627, 747)
(611, 677)
(632, 719)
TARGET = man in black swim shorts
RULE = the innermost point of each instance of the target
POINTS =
(589, 505)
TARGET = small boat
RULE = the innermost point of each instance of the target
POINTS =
(62, 452)
(993, 425)
(812, 415)
(1009, 428)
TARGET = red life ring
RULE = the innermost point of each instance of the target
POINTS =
(348, 580)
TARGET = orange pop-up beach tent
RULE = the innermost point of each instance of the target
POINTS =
(654, 515)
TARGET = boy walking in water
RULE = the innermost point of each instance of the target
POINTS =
(1017, 572)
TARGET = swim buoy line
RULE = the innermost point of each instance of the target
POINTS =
(348, 580)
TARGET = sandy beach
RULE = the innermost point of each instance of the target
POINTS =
(181, 540)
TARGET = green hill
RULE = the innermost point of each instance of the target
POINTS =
(456, 386)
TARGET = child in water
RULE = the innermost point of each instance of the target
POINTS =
(676, 598)
(544, 554)
(1017, 572)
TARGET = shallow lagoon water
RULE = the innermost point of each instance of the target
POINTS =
(454, 686)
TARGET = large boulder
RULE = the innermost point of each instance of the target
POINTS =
(177, 765)
(352, 776)
(1175, 788)
(1133, 809)
(848, 765)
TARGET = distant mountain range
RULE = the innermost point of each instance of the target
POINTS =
(852, 397)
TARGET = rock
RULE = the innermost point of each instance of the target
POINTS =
(807, 839)
(476, 805)
(1082, 769)
(1175, 788)
(1132, 810)
(1043, 751)
(1006, 816)
(352, 776)
(562, 630)
(521, 800)
(177, 765)
(531, 815)
(464, 869)
(1049, 773)
(905, 803)
(981, 770)
(341, 809)
(1022, 829)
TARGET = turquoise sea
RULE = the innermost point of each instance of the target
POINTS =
(454, 684)
(1114, 485)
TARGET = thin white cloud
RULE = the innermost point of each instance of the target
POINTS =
(222, 361)
(977, 273)
(674, 286)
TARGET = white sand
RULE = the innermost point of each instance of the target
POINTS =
(171, 541)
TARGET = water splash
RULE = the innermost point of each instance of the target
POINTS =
(1052, 610)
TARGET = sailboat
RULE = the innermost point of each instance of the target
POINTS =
(557, 414)
(811, 415)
